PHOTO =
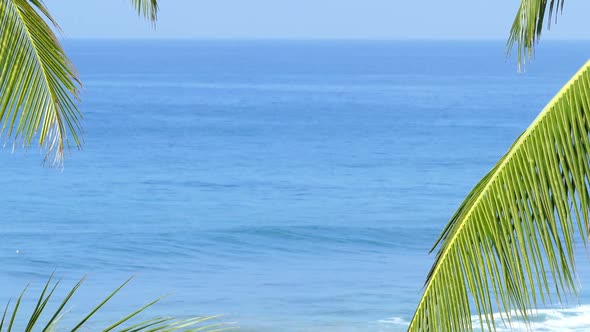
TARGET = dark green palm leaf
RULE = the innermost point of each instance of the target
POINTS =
(510, 245)
(147, 8)
(528, 25)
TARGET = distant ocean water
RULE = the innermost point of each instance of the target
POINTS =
(290, 185)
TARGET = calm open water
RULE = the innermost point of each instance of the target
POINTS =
(291, 185)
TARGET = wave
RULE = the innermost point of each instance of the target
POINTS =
(543, 320)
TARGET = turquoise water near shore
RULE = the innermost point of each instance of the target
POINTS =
(291, 185)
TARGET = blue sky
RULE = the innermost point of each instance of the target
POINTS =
(356, 19)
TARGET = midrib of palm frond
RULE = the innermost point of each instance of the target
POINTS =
(58, 123)
(535, 189)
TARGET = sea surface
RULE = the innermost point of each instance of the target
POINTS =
(288, 185)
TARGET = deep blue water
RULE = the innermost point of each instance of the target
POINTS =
(291, 185)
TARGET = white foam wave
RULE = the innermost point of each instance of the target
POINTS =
(549, 320)
(572, 319)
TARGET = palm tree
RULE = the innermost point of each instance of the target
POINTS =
(510, 245)
(39, 88)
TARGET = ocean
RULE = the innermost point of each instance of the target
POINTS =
(288, 185)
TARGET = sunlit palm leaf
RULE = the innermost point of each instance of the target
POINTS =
(38, 84)
(528, 25)
(11, 318)
(147, 8)
(510, 245)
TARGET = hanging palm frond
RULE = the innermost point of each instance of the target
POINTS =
(38, 84)
(510, 245)
(528, 25)
(147, 8)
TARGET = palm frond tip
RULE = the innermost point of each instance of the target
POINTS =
(146, 8)
(528, 25)
(510, 245)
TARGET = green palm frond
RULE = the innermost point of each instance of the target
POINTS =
(38, 84)
(528, 25)
(11, 320)
(147, 8)
(510, 245)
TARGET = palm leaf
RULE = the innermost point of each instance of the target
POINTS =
(147, 8)
(38, 84)
(528, 25)
(13, 320)
(510, 245)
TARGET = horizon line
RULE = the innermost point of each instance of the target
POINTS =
(423, 39)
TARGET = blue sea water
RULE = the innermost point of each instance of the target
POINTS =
(289, 185)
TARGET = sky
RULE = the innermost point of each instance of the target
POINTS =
(309, 19)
